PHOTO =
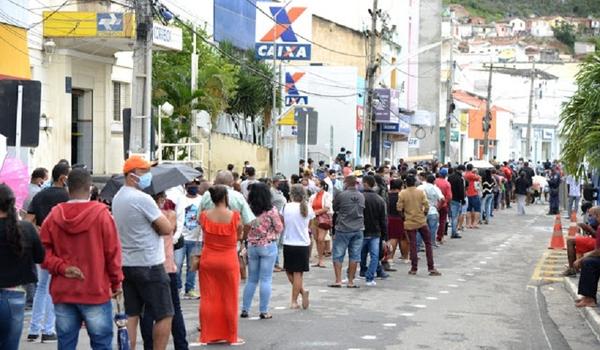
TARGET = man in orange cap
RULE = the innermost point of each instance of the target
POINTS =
(140, 224)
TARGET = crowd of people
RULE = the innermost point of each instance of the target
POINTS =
(151, 249)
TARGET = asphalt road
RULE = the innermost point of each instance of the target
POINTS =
(485, 299)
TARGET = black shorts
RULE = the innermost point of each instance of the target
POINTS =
(147, 285)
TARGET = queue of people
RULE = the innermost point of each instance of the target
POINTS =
(232, 230)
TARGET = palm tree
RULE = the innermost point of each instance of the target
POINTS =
(580, 119)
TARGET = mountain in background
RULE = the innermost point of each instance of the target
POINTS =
(499, 9)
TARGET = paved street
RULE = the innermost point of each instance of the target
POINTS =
(485, 299)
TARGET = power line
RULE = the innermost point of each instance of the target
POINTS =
(242, 63)
(303, 37)
(49, 15)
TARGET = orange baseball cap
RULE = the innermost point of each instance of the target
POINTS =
(135, 162)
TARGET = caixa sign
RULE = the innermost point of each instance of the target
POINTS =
(283, 51)
(283, 33)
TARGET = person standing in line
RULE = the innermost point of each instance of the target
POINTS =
(474, 208)
(83, 255)
(296, 243)
(20, 249)
(141, 224)
(38, 177)
(321, 204)
(574, 194)
(262, 238)
(177, 325)
(251, 179)
(446, 189)
(457, 186)
(349, 208)
(375, 230)
(434, 199)
(488, 185)
(219, 270)
(508, 175)
(396, 233)
(521, 186)
(192, 236)
(413, 205)
(279, 201)
(42, 317)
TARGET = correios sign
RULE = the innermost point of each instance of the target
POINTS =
(283, 32)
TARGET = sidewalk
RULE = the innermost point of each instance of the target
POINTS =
(592, 314)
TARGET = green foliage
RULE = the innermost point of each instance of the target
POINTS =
(565, 34)
(224, 84)
(580, 119)
(497, 9)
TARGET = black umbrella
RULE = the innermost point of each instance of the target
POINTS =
(164, 176)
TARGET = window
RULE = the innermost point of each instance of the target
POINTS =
(121, 99)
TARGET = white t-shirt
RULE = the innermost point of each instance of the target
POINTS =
(191, 228)
(296, 226)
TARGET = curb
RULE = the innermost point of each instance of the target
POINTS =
(592, 314)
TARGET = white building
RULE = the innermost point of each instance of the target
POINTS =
(518, 26)
(539, 27)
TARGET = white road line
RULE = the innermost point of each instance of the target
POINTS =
(369, 337)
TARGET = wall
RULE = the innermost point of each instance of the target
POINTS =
(226, 150)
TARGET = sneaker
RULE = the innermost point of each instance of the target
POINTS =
(370, 284)
(49, 338)
(570, 272)
(32, 337)
(191, 295)
(383, 276)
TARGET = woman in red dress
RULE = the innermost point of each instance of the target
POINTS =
(220, 271)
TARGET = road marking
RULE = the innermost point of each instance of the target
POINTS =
(469, 274)
(431, 298)
(494, 253)
(453, 285)
(444, 292)
(280, 308)
(407, 314)
(389, 325)
(461, 280)
(477, 268)
(420, 306)
(483, 262)
(548, 267)
(369, 337)
(488, 257)
(323, 291)
(253, 318)
(537, 306)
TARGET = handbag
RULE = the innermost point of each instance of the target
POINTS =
(180, 243)
(324, 221)
(195, 261)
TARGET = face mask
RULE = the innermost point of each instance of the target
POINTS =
(144, 180)
(592, 220)
(192, 191)
(46, 184)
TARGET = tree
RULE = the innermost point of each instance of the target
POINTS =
(580, 119)
(254, 92)
(565, 34)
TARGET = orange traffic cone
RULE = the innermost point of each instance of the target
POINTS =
(573, 229)
(557, 241)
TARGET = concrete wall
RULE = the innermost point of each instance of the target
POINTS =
(226, 150)
(430, 26)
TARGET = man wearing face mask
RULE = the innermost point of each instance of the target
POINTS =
(141, 224)
(579, 245)
(192, 236)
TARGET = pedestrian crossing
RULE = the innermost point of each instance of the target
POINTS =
(550, 267)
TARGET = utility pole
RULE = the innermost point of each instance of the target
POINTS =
(371, 69)
(141, 104)
(530, 114)
(449, 98)
(487, 117)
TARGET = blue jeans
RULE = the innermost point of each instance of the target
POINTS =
(455, 211)
(261, 261)
(573, 205)
(370, 246)
(177, 323)
(189, 249)
(98, 323)
(42, 313)
(487, 206)
(12, 312)
(351, 241)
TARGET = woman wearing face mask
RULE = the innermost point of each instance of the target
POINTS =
(321, 203)
(147, 320)
(20, 249)
(192, 235)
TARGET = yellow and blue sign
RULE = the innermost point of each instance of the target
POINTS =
(292, 94)
(70, 24)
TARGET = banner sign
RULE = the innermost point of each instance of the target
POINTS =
(283, 32)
